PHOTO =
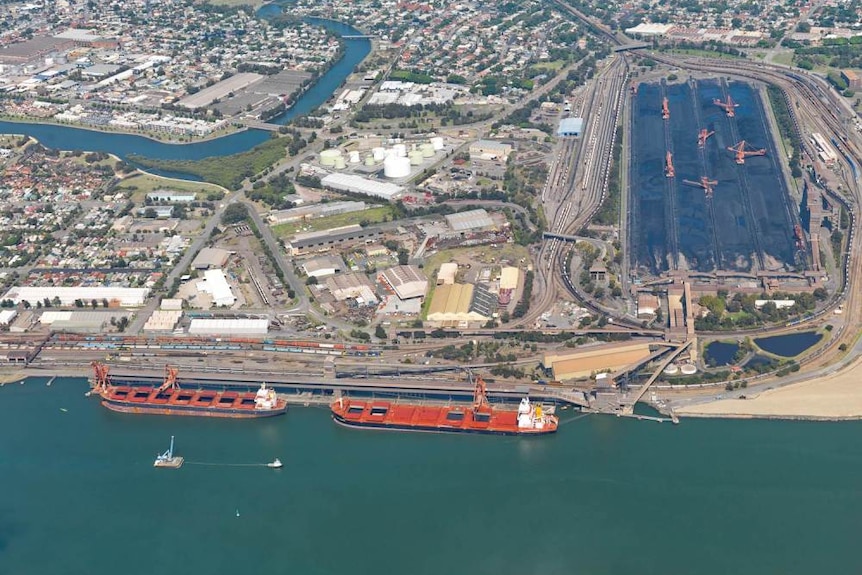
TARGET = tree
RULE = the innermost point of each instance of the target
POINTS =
(234, 214)
(379, 332)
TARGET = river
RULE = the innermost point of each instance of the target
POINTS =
(69, 138)
(602, 496)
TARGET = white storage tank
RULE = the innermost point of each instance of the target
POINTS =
(427, 150)
(671, 369)
(378, 154)
(396, 167)
(400, 150)
(415, 158)
(688, 369)
(437, 142)
(327, 157)
(353, 157)
(339, 163)
(369, 160)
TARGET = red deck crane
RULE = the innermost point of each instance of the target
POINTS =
(728, 105)
(702, 136)
(704, 183)
(668, 165)
(741, 152)
(100, 376)
(665, 111)
(170, 381)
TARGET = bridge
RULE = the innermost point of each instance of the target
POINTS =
(563, 237)
(258, 125)
(632, 46)
(358, 36)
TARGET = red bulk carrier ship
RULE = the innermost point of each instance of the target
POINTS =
(169, 399)
(481, 417)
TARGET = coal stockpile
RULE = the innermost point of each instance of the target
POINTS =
(707, 212)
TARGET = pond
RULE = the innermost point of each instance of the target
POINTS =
(789, 345)
(720, 353)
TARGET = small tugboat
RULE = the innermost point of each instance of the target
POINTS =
(275, 464)
(168, 459)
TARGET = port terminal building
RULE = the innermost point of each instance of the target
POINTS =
(589, 361)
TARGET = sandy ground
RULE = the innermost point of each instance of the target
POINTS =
(834, 396)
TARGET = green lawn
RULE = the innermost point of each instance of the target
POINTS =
(371, 216)
(785, 58)
(139, 185)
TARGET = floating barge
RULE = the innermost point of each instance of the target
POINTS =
(169, 399)
(481, 417)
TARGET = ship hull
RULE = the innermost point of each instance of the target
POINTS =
(387, 426)
(190, 410)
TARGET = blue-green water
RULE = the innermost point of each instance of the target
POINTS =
(721, 352)
(789, 345)
(602, 496)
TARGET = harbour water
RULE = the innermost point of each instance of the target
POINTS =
(604, 495)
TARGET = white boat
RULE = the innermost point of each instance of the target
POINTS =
(168, 459)
(275, 464)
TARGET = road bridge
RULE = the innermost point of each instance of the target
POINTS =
(629, 408)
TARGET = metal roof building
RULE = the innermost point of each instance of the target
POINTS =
(483, 302)
(406, 281)
(351, 286)
(451, 306)
(204, 326)
(325, 239)
(215, 284)
(116, 296)
(570, 127)
(323, 266)
(210, 258)
(509, 276)
(447, 273)
(360, 185)
(470, 220)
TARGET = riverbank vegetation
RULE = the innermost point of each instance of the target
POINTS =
(226, 171)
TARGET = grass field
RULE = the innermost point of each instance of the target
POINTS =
(554, 66)
(785, 58)
(371, 216)
(139, 185)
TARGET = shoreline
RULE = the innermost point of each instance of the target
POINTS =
(49, 122)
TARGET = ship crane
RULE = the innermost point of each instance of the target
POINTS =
(668, 166)
(799, 236)
(704, 183)
(728, 106)
(100, 376)
(480, 398)
(665, 111)
(170, 381)
(702, 137)
(741, 152)
(634, 88)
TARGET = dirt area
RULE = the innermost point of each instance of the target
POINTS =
(834, 396)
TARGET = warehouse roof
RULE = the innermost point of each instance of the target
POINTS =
(447, 273)
(570, 127)
(334, 236)
(407, 281)
(215, 284)
(509, 277)
(484, 302)
(210, 258)
(470, 220)
(119, 295)
(324, 265)
(360, 185)
(229, 326)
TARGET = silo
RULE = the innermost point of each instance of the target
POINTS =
(400, 150)
(339, 163)
(379, 154)
(437, 142)
(369, 160)
(415, 158)
(396, 167)
(328, 157)
(427, 150)
(353, 157)
(688, 369)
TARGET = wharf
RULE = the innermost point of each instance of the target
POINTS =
(312, 389)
